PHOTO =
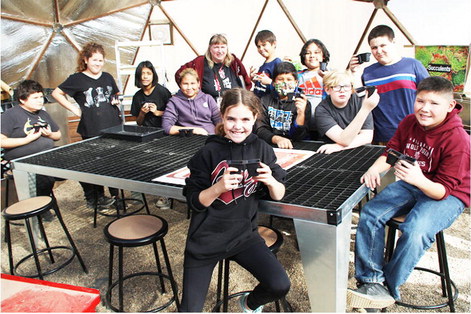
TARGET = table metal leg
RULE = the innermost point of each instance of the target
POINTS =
(23, 183)
(325, 256)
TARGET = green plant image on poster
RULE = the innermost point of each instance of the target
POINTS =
(446, 61)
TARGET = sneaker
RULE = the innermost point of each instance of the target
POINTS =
(103, 203)
(370, 296)
(163, 203)
(245, 308)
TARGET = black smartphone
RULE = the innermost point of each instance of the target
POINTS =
(251, 165)
(394, 156)
(239, 164)
(363, 57)
(361, 90)
(39, 125)
(293, 96)
(185, 132)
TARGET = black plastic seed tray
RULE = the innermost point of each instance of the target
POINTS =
(134, 133)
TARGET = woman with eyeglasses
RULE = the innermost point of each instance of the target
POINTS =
(344, 118)
(218, 70)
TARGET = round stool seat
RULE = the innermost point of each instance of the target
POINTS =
(28, 208)
(135, 230)
(449, 288)
(273, 238)
(398, 220)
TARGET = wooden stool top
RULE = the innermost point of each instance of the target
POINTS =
(135, 227)
(28, 205)
(268, 235)
(400, 218)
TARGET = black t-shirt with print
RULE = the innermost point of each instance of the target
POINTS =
(94, 98)
(18, 122)
(159, 96)
(218, 79)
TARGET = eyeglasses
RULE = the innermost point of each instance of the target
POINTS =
(338, 88)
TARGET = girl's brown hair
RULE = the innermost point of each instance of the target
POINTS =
(234, 97)
(87, 51)
(188, 71)
(218, 39)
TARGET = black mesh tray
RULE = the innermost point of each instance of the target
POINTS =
(134, 133)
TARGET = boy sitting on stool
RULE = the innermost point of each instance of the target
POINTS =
(432, 191)
(28, 129)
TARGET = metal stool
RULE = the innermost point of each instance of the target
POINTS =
(122, 201)
(447, 284)
(136, 231)
(273, 239)
(34, 207)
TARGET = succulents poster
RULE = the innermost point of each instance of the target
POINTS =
(447, 61)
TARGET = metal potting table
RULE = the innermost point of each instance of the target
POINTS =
(320, 194)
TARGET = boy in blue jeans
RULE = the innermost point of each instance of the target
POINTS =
(432, 191)
(266, 47)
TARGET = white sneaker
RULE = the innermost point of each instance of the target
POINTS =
(370, 295)
(163, 203)
(243, 305)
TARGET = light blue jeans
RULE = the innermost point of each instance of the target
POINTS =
(425, 218)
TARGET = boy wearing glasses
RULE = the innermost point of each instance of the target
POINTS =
(396, 79)
(343, 118)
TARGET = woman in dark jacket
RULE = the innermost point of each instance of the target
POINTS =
(224, 202)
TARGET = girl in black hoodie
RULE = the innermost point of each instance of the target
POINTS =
(224, 203)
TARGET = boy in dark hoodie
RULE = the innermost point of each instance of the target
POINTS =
(224, 203)
(432, 192)
(286, 112)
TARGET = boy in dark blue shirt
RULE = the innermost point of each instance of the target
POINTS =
(266, 46)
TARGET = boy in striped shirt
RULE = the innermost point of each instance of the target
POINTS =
(396, 79)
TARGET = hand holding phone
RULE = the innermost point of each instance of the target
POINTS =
(394, 156)
(361, 91)
(250, 164)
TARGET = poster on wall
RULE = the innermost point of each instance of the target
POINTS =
(447, 61)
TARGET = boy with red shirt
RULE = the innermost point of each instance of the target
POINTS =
(432, 191)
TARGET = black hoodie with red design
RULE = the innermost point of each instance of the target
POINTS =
(229, 224)
(443, 152)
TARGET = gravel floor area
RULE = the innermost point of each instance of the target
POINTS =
(140, 293)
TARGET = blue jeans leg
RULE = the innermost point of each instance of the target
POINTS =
(396, 199)
(422, 223)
